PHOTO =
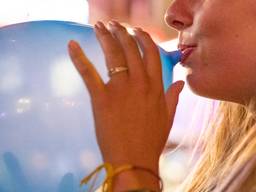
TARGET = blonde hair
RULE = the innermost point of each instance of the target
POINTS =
(228, 142)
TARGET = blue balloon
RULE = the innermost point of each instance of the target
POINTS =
(47, 138)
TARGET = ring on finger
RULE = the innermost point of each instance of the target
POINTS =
(116, 70)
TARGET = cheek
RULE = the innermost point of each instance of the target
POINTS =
(224, 66)
(222, 70)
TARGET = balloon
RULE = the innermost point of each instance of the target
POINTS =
(47, 139)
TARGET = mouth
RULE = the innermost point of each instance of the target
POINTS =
(186, 51)
(185, 46)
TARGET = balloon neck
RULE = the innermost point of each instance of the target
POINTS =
(173, 57)
(169, 60)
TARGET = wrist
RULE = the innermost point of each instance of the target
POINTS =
(137, 178)
(127, 177)
(151, 163)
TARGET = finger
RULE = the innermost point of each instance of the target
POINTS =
(90, 76)
(151, 56)
(113, 52)
(130, 49)
(172, 97)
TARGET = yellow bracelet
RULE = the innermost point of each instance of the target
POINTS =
(108, 182)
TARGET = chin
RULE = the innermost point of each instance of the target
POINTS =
(200, 87)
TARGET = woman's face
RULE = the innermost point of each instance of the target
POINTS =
(223, 65)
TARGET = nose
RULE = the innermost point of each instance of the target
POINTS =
(178, 15)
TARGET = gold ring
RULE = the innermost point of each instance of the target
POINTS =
(116, 70)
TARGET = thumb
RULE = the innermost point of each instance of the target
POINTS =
(172, 97)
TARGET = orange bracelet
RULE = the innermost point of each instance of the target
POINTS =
(108, 182)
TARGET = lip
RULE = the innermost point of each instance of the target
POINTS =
(185, 46)
(186, 53)
(186, 50)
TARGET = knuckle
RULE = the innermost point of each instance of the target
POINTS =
(129, 42)
(142, 87)
(123, 34)
(85, 72)
(152, 46)
(146, 36)
(121, 29)
(106, 35)
(105, 32)
(115, 56)
(150, 43)
(113, 51)
(131, 39)
(153, 49)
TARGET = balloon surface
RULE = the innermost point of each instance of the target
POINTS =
(47, 138)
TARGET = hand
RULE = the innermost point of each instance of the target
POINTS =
(133, 116)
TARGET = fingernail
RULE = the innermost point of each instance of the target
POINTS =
(137, 29)
(96, 26)
(114, 23)
(73, 45)
(100, 25)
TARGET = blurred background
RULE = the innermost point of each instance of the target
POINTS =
(193, 112)
(146, 13)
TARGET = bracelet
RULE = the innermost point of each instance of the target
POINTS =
(111, 173)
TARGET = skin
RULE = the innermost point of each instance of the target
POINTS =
(224, 32)
(223, 65)
(133, 96)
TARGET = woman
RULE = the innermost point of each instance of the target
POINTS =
(221, 66)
